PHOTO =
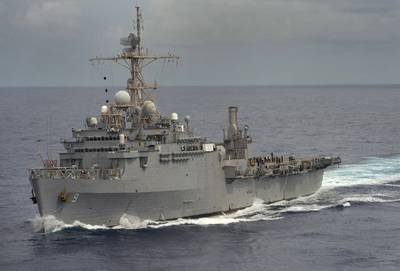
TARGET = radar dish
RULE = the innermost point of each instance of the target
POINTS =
(131, 41)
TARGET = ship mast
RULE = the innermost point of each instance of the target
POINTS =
(135, 60)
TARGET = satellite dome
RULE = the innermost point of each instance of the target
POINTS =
(174, 116)
(149, 108)
(122, 97)
(91, 122)
(104, 109)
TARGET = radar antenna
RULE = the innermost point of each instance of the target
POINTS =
(135, 60)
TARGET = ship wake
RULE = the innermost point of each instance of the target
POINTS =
(373, 180)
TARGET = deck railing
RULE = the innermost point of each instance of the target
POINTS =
(75, 173)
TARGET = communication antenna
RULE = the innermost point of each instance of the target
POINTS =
(48, 138)
(135, 59)
(39, 153)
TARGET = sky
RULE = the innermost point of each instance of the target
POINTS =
(220, 42)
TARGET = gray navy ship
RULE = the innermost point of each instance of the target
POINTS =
(131, 160)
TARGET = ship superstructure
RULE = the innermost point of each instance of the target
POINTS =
(132, 160)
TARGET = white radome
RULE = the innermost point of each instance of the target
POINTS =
(122, 97)
(92, 122)
(104, 109)
(174, 116)
(149, 108)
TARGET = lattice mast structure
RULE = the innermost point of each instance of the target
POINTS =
(135, 59)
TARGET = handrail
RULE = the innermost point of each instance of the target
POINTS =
(75, 173)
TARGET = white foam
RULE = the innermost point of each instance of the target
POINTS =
(346, 204)
(132, 223)
(256, 212)
(306, 208)
(50, 224)
(370, 199)
(371, 171)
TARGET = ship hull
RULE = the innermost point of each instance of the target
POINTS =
(104, 202)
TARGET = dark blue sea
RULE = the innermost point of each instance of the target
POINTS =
(352, 223)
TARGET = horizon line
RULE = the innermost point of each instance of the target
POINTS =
(216, 85)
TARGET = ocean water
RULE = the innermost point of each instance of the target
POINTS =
(352, 223)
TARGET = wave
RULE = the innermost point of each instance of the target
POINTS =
(370, 171)
(50, 224)
(337, 191)
(370, 199)
(256, 212)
